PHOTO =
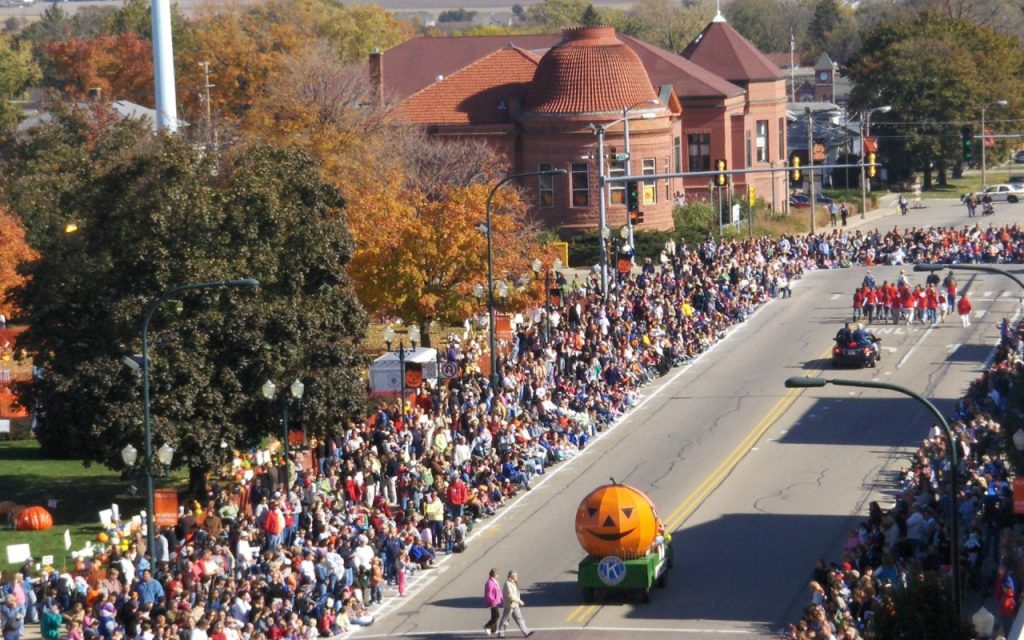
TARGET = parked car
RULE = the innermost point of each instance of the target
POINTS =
(1018, 156)
(1012, 192)
(800, 200)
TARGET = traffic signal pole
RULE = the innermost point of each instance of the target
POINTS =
(810, 161)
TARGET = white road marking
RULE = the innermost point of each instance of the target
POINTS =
(917, 343)
(980, 313)
(951, 348)
(835, 296)
(622, 631)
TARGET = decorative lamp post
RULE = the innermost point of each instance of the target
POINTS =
(297, 389)
(130, 455)
(556, 266)
(147, 427)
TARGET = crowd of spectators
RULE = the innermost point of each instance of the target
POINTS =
(255, 559)
(896, 546)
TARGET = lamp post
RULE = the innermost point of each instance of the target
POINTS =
(629, 157)
(296, 389)
(997, 103)
(865, 132)
(490, 264)
(146, 421)
(800, 382)
(414, 337)
(810, 161)
(537, 265)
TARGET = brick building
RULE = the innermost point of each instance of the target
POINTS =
(534, 97)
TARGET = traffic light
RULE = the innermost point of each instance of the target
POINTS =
(872, 169)
(632, 197)
(967, 136)
(636, 217)
(721, 179)
(794, 172)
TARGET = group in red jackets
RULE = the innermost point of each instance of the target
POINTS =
(899, 302)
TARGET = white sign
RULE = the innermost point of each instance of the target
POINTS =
(5, 426)
(51, 504)
(48, 561)
(67, 538)
(18, 553)
(448, 369)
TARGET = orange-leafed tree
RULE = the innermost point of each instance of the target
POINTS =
(120, 65)
(13, 251)
(417, 224)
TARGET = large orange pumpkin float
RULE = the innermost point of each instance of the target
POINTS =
(33, 519)
(616, 520)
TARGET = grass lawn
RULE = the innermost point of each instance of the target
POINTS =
(27, 478)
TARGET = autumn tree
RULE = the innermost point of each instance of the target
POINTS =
(936, 74)
(17, 72)
(121, 66)
(154, 213)
(769, 23)
(416, 224)
(667, 24)
(13, 251)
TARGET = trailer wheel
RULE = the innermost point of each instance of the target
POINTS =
(588, 594)
(645, 595)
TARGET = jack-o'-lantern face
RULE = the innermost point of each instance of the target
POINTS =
(616, 519)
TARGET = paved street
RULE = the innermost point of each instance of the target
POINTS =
(756, 482)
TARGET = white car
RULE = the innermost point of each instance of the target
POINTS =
(1005, 192)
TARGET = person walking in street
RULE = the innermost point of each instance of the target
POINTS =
(493, 600)
(12, 617)
(963, 307)
(972, 204)
(513, 606)
(844, 213)
(833, 212)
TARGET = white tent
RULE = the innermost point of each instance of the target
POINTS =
(386, 371)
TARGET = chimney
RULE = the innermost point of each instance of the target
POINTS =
(377, 75)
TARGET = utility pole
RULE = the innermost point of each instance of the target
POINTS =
(211, 135)
(810, 160)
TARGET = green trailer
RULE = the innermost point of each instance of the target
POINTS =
(636, 575)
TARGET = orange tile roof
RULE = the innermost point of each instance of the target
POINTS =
(724, 52)
(590, 71)
(484, 92)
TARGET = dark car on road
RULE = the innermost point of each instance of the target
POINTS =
(849, 352)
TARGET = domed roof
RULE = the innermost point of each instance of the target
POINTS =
(589, 71)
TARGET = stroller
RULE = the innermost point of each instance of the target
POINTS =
(987, 209)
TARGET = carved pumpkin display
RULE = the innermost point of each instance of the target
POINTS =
(33, 519)
(616, 520)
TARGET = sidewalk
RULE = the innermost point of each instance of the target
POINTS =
(886, 208)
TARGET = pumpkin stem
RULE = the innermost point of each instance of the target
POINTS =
(613, 480)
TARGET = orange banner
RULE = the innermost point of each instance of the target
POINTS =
(165, 507)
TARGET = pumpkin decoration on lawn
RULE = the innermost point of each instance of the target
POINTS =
(33, 519)
(616, 520)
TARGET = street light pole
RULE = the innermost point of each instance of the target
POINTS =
(997, 103)
(800, 382)
(810, 161)
(297, 389)
(146, 420)
(490, 264)
(924, 267)
(865, 132)
(629, 156)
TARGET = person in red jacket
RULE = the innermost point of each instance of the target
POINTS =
(457, 496)
(963, 307)
(858, 303)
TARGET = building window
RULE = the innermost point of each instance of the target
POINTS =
(668, 169)
(782, 138)
(762, 141)
(748, 155)
(650, 167)
(677, 153)
(580, 184)
(616, 190)
(699, 151)
(546, 186)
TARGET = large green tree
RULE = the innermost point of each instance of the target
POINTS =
(936, 73)
(152, 213)
(17, 72)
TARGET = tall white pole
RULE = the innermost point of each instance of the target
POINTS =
(163, 67)
(984, 180)
(602, 209)
(629, 172)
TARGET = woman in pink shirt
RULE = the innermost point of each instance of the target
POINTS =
(494, 600)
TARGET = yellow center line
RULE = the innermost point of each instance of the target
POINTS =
(679, 515)
(710, 483)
